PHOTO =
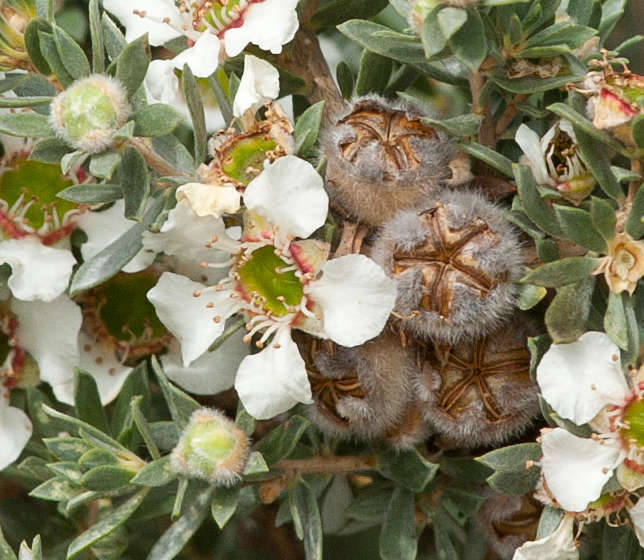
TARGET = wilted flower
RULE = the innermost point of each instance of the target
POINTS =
(555, 160)
(559, 545)
(14, 17)
(623, 266)
(583, 382)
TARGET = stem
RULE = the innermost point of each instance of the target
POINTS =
(154, 160)
(636, 165)
(486, 132)
(510, 112)
(341, 464)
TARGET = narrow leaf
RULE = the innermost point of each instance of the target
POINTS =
(195, 107)
(135, 183)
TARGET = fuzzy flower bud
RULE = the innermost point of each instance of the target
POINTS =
(88, 113)
(211, 447)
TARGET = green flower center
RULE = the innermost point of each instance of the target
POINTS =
(218, 14)
(87, 108)
(209, 441)
(261, 278)
(245, 159)
(37, 182)
(634, 418)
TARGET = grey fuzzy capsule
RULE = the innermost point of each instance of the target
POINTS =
(381, 158)
(479, 392)
(360, 392)
(507, 521)
(456, 263)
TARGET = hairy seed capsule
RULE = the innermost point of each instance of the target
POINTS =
(359, 392)
(455, 264)
(479, 392)
(382, 158)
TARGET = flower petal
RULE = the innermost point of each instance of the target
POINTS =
(558, 545)
(356, 298)
(268, 24)
(15, 431)
(49, 332)
(202, 58)
(637, 518)
(274, 380)
(580, 378)
(575, 468)
(38, 272)
(186, 316)
(210, 200)
(259, 83)
(161, 84)
(156, 11)
(290, 194)
(528, 141)
(213, 372)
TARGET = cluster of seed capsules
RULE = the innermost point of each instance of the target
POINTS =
(452, 362)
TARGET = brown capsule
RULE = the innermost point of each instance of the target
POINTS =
(455, 264)
(358, 392)
(382, 158)
(507, 521)
(479, 392)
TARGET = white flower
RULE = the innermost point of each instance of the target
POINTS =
(210, 200)
(555, 160)
(279, 284)
(259, 83)
(15, 431)
(583, 382)
(559, 545)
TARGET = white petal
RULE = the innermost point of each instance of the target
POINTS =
(259, 83)
(269, 25)
(274, 380)
(637, 517)
(575, 468)
(559, 545)
(38, 272)
(202, 58)
(580, 378)
(186, 316)
(103, 228)
(356, 298)
(210, 200)
(156, 11)
(49, 332)
(290, 194)
(212, 372)
(528, 141)
(161, 83)
(15, 431)
(184, 234)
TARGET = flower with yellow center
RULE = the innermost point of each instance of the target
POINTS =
(623, 266)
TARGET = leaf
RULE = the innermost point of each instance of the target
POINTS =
(106, 525)
(115, 256)
(103, 165)
(598, 161)
(373, 73)
(67, 448)
(450, 20)
(11, 102)
(615, 322)
(511, 458)
(224, 504)
(398, 539)
(96, 33)
(157, 119)
(56, 489)
(135, 183)
(181, 406)
(408, 468)
(281, 441)
(344, 77)
(132, 65)
(174, 152)
(50, 53)
(603, 217)
(569, 310)
(531, 84)
(195, 107)
(637, 130)
(514, 482)
(106, 477)
(71, 55)
(460, 126)
(219, 84)
(335, 12)
(31, 125)
(431, 34)
(5, 550)
(156, 473)
(255, 464)
(634, 224)
(612, 11)
(96, 457)
(113, 38)
(469, 43)
(304, 508)
(307, 129)
(530, 295)
(578, 226)
(562, 272)
(92, 194)
(489, 156)
(562, 33)
(547, 250)
(180, 532)
(87, 401)
(534, 206)
(32, 44)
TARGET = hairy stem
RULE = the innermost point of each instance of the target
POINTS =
(486, 132)
(510, 112)
(154, 160)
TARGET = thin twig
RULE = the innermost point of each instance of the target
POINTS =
(486, 132)
(154, 160)
(338, 464)
(510, 112)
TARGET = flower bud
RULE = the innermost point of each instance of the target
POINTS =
(382, 158)
(88, 113)
(480, 392)
(455, 264)
(358, 392)
(211, 447)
